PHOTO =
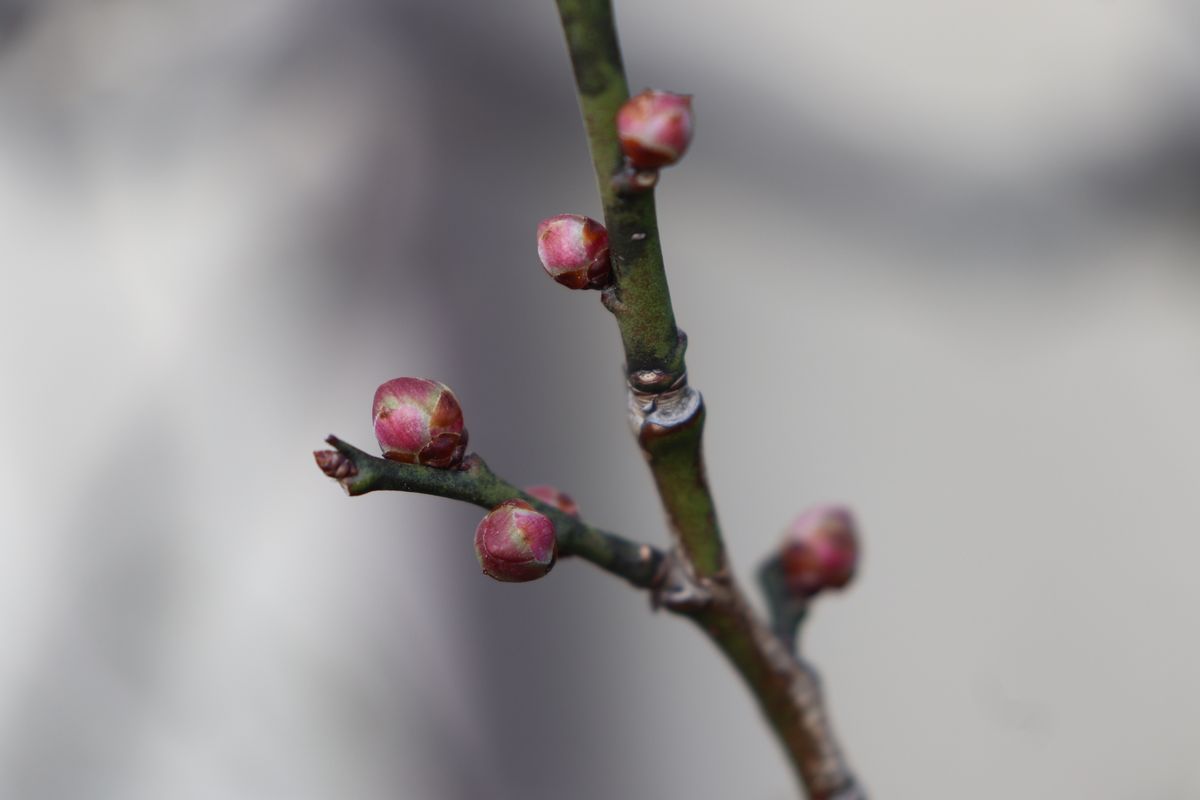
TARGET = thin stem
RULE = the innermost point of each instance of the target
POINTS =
(787, 690)
(670, 422)
(672, 447)
(640, 298)
(787, 610)
(359, 473)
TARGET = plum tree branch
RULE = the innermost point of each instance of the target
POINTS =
(669, 418)
(787, 609)
(692, 579)
(359, 473)
(669, 414)
(639, 297)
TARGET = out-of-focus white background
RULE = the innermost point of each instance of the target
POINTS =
(938, 260)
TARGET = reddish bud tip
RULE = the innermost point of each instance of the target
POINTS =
(551, 496)
(820, 550)
(419, 421)
(515, 543)
(574, 250)
(334, 464)
(655, 128)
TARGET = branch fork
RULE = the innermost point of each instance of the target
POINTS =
(624, 260)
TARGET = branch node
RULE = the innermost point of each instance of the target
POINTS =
(655, 381)
(629, 180)
(610, 299)
(655, 414)
(677, 589)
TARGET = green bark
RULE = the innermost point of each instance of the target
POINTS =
(475, 483)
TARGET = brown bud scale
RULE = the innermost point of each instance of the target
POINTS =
(335, 464)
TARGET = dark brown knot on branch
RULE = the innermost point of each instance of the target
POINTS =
(677, 589)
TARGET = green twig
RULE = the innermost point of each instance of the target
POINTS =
(787, 610)
(639, 298)
(670, 421)
(670, 414)
(671, 442)
(475, 483)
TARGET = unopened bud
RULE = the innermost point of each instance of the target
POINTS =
(334, 464)
(655, 128)
(515, 543)
(555, 498)
(419, 421)
(574, 250)
(820, 550)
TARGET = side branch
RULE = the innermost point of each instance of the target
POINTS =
(360, 472)
(787, 609)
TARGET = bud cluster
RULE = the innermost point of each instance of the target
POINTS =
(654, 130)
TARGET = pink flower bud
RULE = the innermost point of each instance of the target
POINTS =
(515, 543)
(820, 550)
(551, 496)
(574, 250)
(655, 128)
(419, 421)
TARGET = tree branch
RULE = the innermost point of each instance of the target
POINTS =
(788, 692)
(694, 578)
(359, 473)
(786, 608)
(669, 414)
(639, 297)
(669, 418)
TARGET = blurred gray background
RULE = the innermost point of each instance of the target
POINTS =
(950, 245)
